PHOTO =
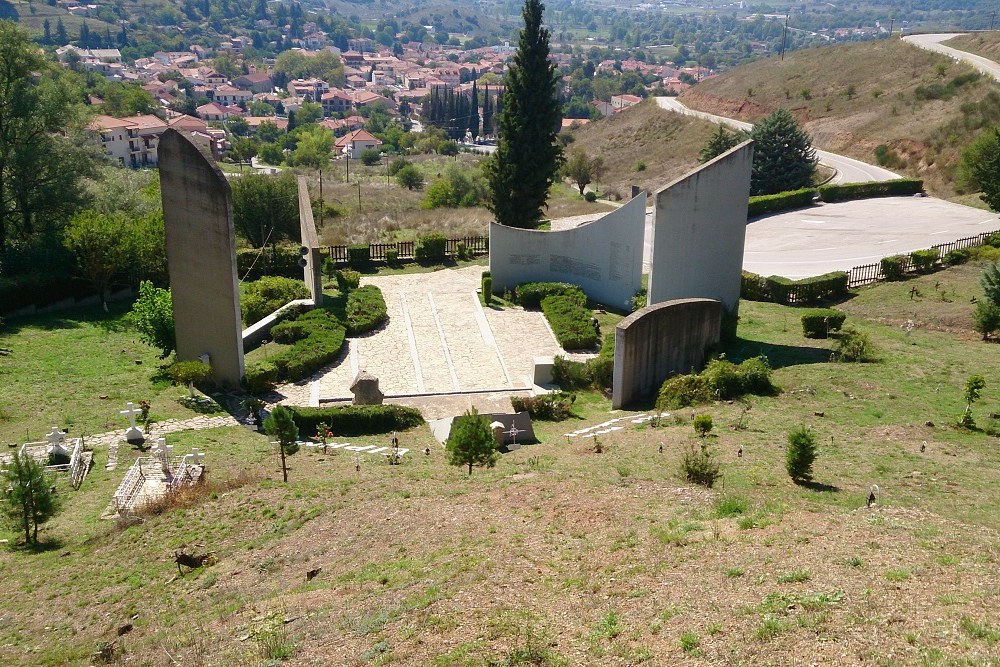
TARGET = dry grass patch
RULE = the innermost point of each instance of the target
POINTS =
(985, 44)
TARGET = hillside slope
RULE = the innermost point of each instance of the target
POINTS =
(922, 106)
(985, 44)
(643, 146)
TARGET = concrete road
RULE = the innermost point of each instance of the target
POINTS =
(838, 237)
(848, 169)
(933, 43)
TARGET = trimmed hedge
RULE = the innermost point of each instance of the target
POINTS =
(265, 295)
(530, 295)
(546, 407)
(355, 420)
(347, 279)
(780, 202)
(571, 322)
(279, 260)
(924, 260)
(316, 338)
(359, 255)
(596, 373)
(893, 267)
(431, 248)
(819, 322)
(784, 290)
(366, 310)
(487, 289)
(899, 186)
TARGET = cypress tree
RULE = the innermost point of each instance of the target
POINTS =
(528, 156)
(46, 32)
(474, 112)
(487, 112)
(61, 37)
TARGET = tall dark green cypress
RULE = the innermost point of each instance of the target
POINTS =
(528, 156)
(487, 112)
(474, 112)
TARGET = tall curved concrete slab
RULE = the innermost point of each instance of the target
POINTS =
(310, 245)
(699, 229)
(201, 257)
(603, 257)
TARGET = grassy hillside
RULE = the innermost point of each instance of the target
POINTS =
(985, 44)
(643, 146)
(561, 555)
(924, 107)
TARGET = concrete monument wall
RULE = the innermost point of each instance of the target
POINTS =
(699, 229)
(603, 257)
(201, 257)
(310, 245)
(660, 340)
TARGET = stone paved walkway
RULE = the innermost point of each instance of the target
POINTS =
(157, 430)
(439, 340)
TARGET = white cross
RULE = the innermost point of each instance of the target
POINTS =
(129, 412)
(56, 437)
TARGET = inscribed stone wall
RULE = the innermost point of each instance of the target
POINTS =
(699, 230)
(201, 257)
(659, 340)
(603, 257)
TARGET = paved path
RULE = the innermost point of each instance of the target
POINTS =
(848, 169)
(112, 439)
(439, 340)
(933, 43)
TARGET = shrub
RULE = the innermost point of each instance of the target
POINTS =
(681, 391)
(278, 260)
(725, 381)
(847, 191)
(392, 256)
(546, 407)
(754, 287)
(854, 345)
(700, 465)
(601, 368)
(703, 424)
(370, 157)
(431, 248)
(348, 280)
(956, 257)
(316, 338)
(781, 201)
(819, 322)
(757, 376)
(530, 295)
(571, 322)
(721, 379)
(189, 373)
(359, 256)
(570, 374)
(640, 299)
(487, 290)
(801, 454)
(288, 332)
(409, 177)
(262, 297)
(924, 260)
(986, 318)
(355, 420)
(397, 164)
(784, 290)
(893, 267)
(591, 196)
(366, 310)
(329, 267)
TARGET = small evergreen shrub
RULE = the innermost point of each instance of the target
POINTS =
(703, 424)
(462, 251)
(546, 407)
(355, 420)
(366, 310)
(571, 322)
(392, 257)
(986, 318)
(897, 187)
(700, 465)
(681, 391)
(264, 296)
(721, 380)
(893, 267)
(347, 280)
(487, 290)
(640, 299)
(590, 196)
(856, 346)
(819, 322)
(431, 248)
(570, 374)
(956, 257)
(924, 260)
(329, 267)
(278, 260)
(316, 339)
(359, 256)
(801, 454)
(530, 295)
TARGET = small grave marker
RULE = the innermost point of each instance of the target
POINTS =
(133, 435)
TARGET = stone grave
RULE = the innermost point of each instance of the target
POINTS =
(151, 478)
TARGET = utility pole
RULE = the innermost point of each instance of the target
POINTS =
(347, 161)
(322, 206)
(783, 33)
(359, 196)
(993, 18)
(892, 22)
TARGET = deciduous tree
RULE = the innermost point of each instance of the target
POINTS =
(583, 169)
(528, 156)
(265, 208)
(980, 167)
(153, 316)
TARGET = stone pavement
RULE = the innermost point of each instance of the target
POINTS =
(157, 430)
(439, 340)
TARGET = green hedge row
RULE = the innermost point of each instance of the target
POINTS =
(784, 290)
(899, 186)
(265, 295)
(316, 338)
(721, 380)
(366, 310)
(281, 260)
(530, 295)
(572, 323)
(359, 255)
(431, 248)
(819, 322)
(554, 407)
(596, 373)
(355, 420)
(780, 202)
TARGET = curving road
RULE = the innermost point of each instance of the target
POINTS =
(933, 43)
(848, 169)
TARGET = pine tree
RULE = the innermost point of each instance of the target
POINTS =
(720, 142)
(528, 156)
(30, 501)
(783, 157)
(471, 441)
(281, 424)
(990, 280)
(474, 112)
